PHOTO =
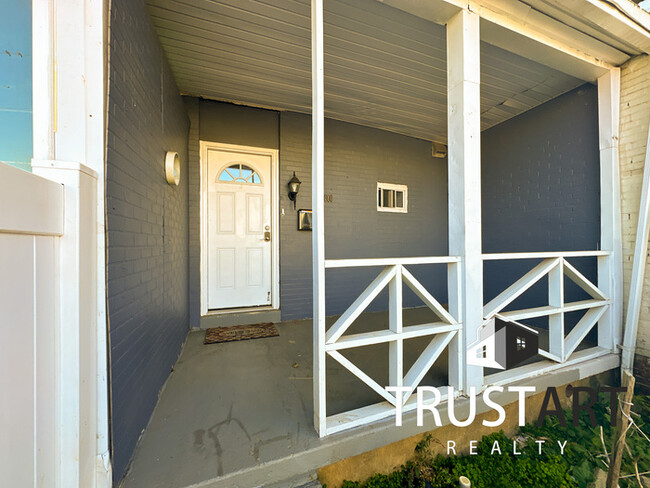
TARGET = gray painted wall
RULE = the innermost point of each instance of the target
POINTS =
(228, 124)
(194, 203)
(540, 193)
(541, 189)
(356, 158)
(147, 225)
(238, 124)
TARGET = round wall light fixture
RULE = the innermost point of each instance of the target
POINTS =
(172, 168)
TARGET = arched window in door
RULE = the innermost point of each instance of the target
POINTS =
(240, 173)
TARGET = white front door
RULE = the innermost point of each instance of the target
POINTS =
(239, 228)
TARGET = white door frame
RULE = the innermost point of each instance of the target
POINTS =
(275, 227)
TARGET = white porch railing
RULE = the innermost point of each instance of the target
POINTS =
(556, 266)
(439, 334)
(464, 230)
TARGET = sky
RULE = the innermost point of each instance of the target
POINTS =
(16, 83)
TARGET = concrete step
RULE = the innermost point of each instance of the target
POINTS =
(298, 483)
(268, 475)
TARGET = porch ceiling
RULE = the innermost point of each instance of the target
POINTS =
(384, 67)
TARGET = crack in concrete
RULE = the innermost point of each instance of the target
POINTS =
(213, 434)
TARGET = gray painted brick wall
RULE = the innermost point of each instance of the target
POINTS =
(229, 124)
(541, 190)
(356, 158)
(540, 193)
(194, 210)
(147, 225)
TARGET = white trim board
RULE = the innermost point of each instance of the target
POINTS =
(526, 31)
(275, 223)
(637, 279)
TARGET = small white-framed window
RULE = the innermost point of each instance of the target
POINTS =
(521, 343)
(392, 198)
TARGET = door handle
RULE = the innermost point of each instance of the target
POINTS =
(267, 236)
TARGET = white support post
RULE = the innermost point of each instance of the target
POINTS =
(464, 153)
(396, 348)
(76, 403)
(610, 269)
(318, 208)
(556, 320)
(68, 49)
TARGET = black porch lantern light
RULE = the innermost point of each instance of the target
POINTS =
(294, 187)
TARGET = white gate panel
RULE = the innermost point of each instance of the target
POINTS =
(31, 221)
(17, 360)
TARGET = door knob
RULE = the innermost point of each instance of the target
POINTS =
(267, 235)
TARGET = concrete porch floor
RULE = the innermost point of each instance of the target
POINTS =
(239, 414)
(234, 414)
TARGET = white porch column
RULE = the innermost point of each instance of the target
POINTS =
(464, 155)
(68, 44)
(318, 208)
(610, 268)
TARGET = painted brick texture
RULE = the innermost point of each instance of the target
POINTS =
(194, 202)
(147, 225)
(356, 158)
(541, 177)
(541, 191)
(635, 117)
(540, 187)
(225, 123)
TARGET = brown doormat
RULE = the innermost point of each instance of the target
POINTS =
(240, 333)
